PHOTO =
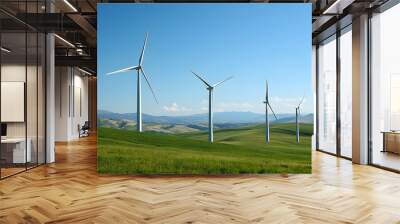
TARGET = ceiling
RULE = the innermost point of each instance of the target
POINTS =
(75, 21)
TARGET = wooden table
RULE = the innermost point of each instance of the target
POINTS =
(391, 141)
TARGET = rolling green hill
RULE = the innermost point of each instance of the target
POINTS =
(156, 127)
(168, 128)
(235, 151)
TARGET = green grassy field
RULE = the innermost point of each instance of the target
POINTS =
(235, 151)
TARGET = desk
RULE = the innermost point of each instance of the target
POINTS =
(391, 141)
(15, 148)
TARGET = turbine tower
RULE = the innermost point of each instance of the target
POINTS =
(139, 70)
(267, 104)
(210, 89)
(298, 121)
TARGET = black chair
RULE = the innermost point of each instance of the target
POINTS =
(84, 130)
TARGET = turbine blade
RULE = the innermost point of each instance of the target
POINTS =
(218, 83)
(148, 83)
(123, 70)
(205, 82)
(272, 111)
(266, 90)
(143, 49)
(301, 101)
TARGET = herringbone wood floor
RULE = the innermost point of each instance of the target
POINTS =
(70, 191)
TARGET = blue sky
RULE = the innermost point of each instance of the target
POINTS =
(252, 42)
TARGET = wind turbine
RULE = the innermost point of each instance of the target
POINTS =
(210, 89)
(298, 120)
(267, 104)
(139, 69)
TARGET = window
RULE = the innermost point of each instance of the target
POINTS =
(22, 88)
(346, 92)
(385, 89)
(327, 95)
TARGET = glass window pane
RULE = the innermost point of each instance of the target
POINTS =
(14, 153)
(22, 90)
(31, 97)
(346, 93)
(327, 96)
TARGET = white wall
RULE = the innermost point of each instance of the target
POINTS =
(71, 94)
(62, 82)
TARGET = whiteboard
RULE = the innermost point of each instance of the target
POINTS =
(12, 101)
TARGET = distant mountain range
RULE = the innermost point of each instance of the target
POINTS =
(219, 118)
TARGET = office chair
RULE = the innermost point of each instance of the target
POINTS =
(84, 130)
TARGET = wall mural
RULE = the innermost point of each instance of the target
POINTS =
(204, 88)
